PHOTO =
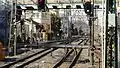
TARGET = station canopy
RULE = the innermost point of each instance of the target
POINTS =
(70, 1)
(64, 1)
(55, 1)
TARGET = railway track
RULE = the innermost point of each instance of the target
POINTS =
(21, 63)
(62, 59)
(23, 59)
(72, 64)
(68, 53)
(34, 58)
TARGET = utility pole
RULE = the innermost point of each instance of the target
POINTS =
(105, 34)
(15, 24)
(116, 36)
(91, 49)
(92, 54)
(10, 30)
(102, 33)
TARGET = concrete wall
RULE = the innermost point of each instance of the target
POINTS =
(35, 15)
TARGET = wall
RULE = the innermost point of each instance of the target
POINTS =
(35, 15)
(46, 21)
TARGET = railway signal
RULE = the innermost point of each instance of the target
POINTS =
(88, 8)
(41, 4)
(110, 5)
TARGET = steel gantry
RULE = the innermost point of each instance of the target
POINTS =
(110, 36)
(13, 27)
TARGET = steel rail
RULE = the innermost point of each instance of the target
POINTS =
(62, 59)
(75, 59)
(66, 55)
(23, 59)
(36, 58)
(20, 60)
(66, 41)
(77, 56)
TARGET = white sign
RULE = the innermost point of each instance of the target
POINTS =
(111, 19)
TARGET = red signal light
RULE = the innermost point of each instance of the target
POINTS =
(41, 2)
